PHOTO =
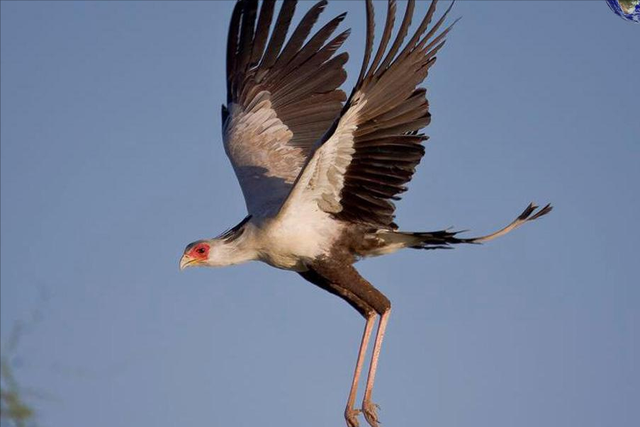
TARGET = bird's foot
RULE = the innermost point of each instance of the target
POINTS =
(351, 415)
(370, 411)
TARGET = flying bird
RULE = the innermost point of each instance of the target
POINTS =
(319, 170)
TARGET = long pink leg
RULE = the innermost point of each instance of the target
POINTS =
(351, 414)
(369, 408)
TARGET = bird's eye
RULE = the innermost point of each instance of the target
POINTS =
(200, 250)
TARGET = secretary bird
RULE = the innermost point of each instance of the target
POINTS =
(319, 170)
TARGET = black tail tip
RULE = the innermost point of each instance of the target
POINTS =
(545, 210)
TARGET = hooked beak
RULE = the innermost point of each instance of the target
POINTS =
(186, 261)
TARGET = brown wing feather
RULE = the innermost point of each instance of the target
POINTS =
(387, 147)
(280, 100)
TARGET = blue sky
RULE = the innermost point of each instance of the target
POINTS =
(112, 162)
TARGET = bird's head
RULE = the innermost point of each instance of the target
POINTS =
(196, 254)
(208, 253)
(234, 246)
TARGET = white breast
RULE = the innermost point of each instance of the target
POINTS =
(287, 242)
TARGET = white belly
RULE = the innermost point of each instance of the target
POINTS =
(288, 243)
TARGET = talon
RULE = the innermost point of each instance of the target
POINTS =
(351, 415)
(370, 411)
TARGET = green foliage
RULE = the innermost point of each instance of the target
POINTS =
(13, 407)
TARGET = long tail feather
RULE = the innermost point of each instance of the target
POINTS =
(443, 239)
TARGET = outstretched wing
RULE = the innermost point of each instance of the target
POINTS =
(374, 147)
(280, 100)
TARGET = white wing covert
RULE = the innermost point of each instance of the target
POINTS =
(280, 100)
(375, 146)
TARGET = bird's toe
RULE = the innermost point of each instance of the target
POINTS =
(370, 411)
(351, 415)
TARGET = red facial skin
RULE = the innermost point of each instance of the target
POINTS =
(199, 252)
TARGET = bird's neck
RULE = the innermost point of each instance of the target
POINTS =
(237, 250)
(241, 252)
